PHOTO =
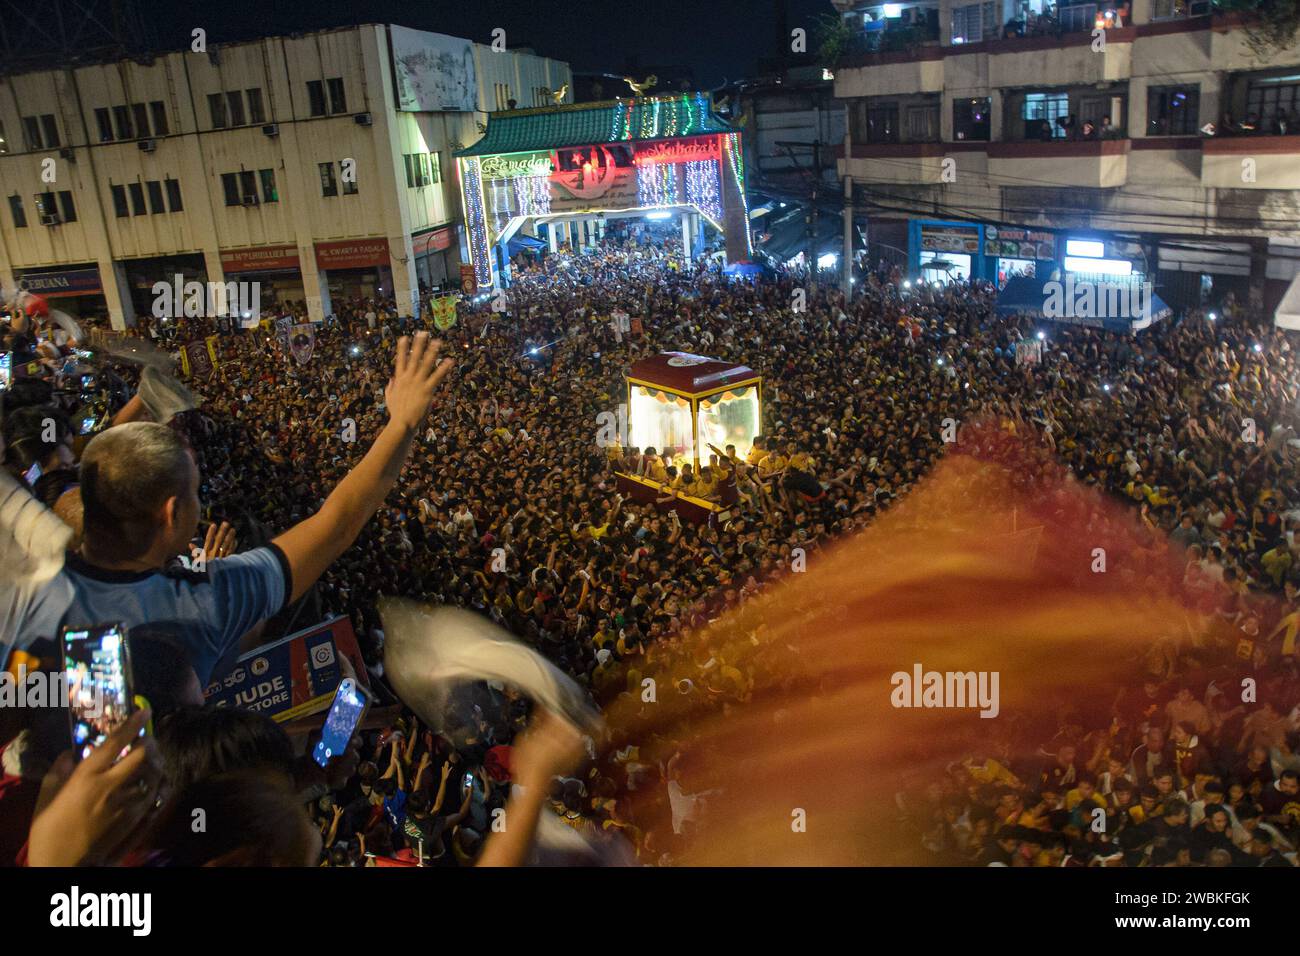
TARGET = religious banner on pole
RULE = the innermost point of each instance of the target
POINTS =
(1029, 352)
(302, 342)
(198, 359)
(468, 281)
(444, 312)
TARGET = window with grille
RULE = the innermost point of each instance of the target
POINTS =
(328, 184)
(1045, 107)
(51, 130)
(970, 118)
(1271, 101)
(882, 123)
(338, 101)
(316, 97)
(974, 22)
(256, 114)
(235, 102)
(136, 192)
(1172, 110)
(217, 109)
(159, 110)
(923, 124)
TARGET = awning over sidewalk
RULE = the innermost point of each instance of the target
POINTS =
(1058, 300)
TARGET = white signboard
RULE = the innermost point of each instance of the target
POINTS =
(435, 72)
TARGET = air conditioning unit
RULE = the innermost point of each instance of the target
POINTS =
(271, 129)
(148, 145)
(363, 119)
(68, 153)
(250, 200)
(50, 219)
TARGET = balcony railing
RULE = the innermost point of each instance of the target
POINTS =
(896, 40)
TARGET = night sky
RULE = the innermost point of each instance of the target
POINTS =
(717, 39)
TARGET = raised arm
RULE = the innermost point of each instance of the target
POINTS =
(442, 787)
(313, 545)
(551, 746)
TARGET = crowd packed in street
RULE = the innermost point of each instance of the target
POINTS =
(503, 501)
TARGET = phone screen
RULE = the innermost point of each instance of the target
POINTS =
(87, 424)
(6, 366)
(97, 675)
(32, 473)
(350, 704)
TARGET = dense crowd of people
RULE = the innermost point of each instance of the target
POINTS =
(504, 502)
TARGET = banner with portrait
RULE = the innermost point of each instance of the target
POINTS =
(1029, 352)
(302, 342)
(199, 359)
(444, 312)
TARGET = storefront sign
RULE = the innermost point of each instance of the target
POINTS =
(509, 165)
(291, 677)
(693, 149)
(352, 254)
(435, 240)
(1019, 243)
(55, 284)
(950, 240)
(265, 259)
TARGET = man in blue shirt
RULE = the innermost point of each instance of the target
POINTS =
(140, 496)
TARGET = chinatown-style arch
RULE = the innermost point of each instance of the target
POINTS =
(577, 163)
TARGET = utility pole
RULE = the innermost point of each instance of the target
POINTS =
(813, 212)
(846, 276)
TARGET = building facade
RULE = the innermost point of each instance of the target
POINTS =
(793, 127)
(319, 165)
(984, 138)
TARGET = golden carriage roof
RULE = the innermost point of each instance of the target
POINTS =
(692, 374)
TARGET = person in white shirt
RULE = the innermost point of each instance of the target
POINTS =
(463, 521)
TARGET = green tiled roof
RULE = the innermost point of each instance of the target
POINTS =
(584, 124)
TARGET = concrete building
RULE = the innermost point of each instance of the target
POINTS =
(1151, 126)
(319, 165)
(793, 126)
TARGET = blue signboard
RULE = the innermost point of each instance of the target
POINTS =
(67, 282)
(288, 678)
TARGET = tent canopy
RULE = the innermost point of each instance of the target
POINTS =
(1029, 295)
(1287, 315)
(521, 243)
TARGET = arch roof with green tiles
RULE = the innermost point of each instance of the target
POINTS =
(613, 121)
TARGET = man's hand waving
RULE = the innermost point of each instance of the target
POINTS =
(417, 375)
(312, 545)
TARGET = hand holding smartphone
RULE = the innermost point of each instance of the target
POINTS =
(97, 678)
(351, 701)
